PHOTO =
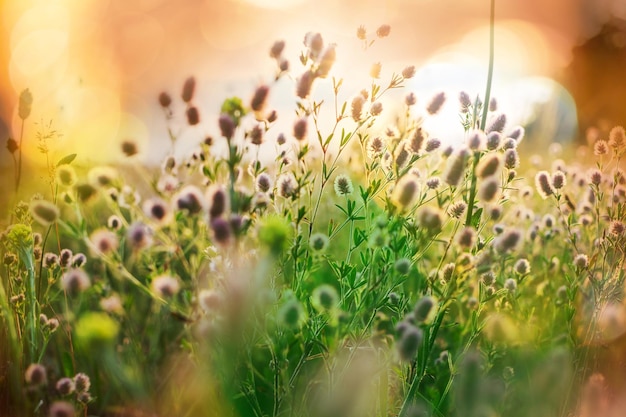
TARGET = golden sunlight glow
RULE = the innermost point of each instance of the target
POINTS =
(274, 4)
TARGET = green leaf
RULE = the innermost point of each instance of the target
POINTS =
(476, 217)
(66, 160)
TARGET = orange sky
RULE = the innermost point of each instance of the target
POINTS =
(95, 67)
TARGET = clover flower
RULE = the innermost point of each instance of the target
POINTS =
(543, 185)
(343, 185)
(36, 375)
(165, 286)
(436, 103)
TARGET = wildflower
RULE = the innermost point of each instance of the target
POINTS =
(542, 183)
(375, 147)
(291, 314)
(79, 260)
(357, 107)
(50, 260)
(383, 31)
(361, 33)
(65, 386)
(496, 124)
(259, 98)
(558, 180)
(75, 281)
(410, 99)
(403, 156)
(190, 199)
(263, 183)
(432, 144)
(417, 141)
(595, 177)
(300, 128)
(44, 212)
(112, 304)
(435, 103)
(165, 286)
(489, 165)
(157, 209)
(617, 228)
(165, 100)
(405, 192)
(507, 240)
(25, 104)
(277, 49)
(281, 139)
(318, 242)
(188, 89)
(402, 266)
(12, 145)
(581, 261)
(65, 176)
(464, 101)
(376, 108)
(447, 272)
(324, 298)
(221, 230)
(36, 375)
(287, 185)
(431, 219)
(455, 169)
(488, 278)
(433, 183)
(343, 185)
(517, 133)
(114, 222)
(82, 383)
(476, 140)
(467, 237)
(489, 189)
(457, 209)
(65, 258)
(62, 409)
(408, 72)
(510, 143)
(424, 309)
(315, 43)
(511, 158)
(601, 147)
(510, 285)
(227, 126)
(409, 343)
(129, 148)
(326, 62)
(494, 139)
(139, 236)
(522, 266)
(617, 139)
(305, 82)
(549, 221)
(493, 104)
(193, 116)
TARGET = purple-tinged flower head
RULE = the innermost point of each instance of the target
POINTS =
(44, 212)
(517, 133)
(410, 99)
(522, 266)
(457, 209)
(259, 99)
(188, 89)
(305, 83)
(357, 107)
(343, 185)
(431, 219)
(511, 158)
(595, 176)
(62, 409)
(476, 140)
(510, 285)
(158, 210)
(65, 258)
(193, 116)
(543, 185)
(36, 375)
(315, 43)
(433, 183)
(617, 140)
(489, 165)
(558, 180)
(376, 108)
(263, 183)
(65, 386)
(383, 31)
(104, 241)
(508, 241)
(409, 343)
(489, 189)
(405, 192)
(79, 260)
(287, 185)
(256, 134)
(165, 286)
(465, 101)
(467, 237)
(75, 281)
(50, 260)
(190, 199)
(601, 147)
(82, 383)
(509, 143)
(277, 49)
(114, 222)
(493, 104)
(416, 142)
(326, 61)
(300, 128)
(496, 124)
(408, 72)
(494, 139)
(617, 228)
(218, 201)
(165, 100)
(455, 168)
(581, 261)
(375, 147)
(432, 144)
(227, 126)
(139, 236)
(436, 103)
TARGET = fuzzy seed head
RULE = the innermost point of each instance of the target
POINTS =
(325, 298)
(300, 129)
(50, 260)
(408, 72)
(511, 158)
(75, 281)
(433, 183)
(129, 148)
(82, 383)
(402, 266)
(409, 343)
(417, 141)
(405, 192)
(65, 258)
(431, 219)
(508, 143)
(465, 101)
(383, 31)
(326, 61)
(165, 286)
(62, 409)
(467, 237)
(455, 168)
(35, 375)
(496, 124)
(259, 98)
(489, 166)
(457, 209)
(65, 386)
(617, 140)
(558, 180)
(165, 100)
(139, 236)
(508, 240)
(79, 260)
(263, 183)
(227, 126)
(357, 107)
(595, 176)
(436, 103)
(65, 176)
(581, 261)
(287, 185)
(522, 266)
(489, 189)
(543, 185)
(432, 144)
(617, 228)
(193, 116)
(494, 139)
(493, 104)
(376, 108)
(601, 147)
(188, 89)
(375, 147)
(517, 133)
(318, 242)
(277, 49)
(44, 212)
(410, 99)
(190, 199)
(510, 285)
(343, 185)
(476, 140)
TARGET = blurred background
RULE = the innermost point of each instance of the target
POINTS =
(96, 67)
